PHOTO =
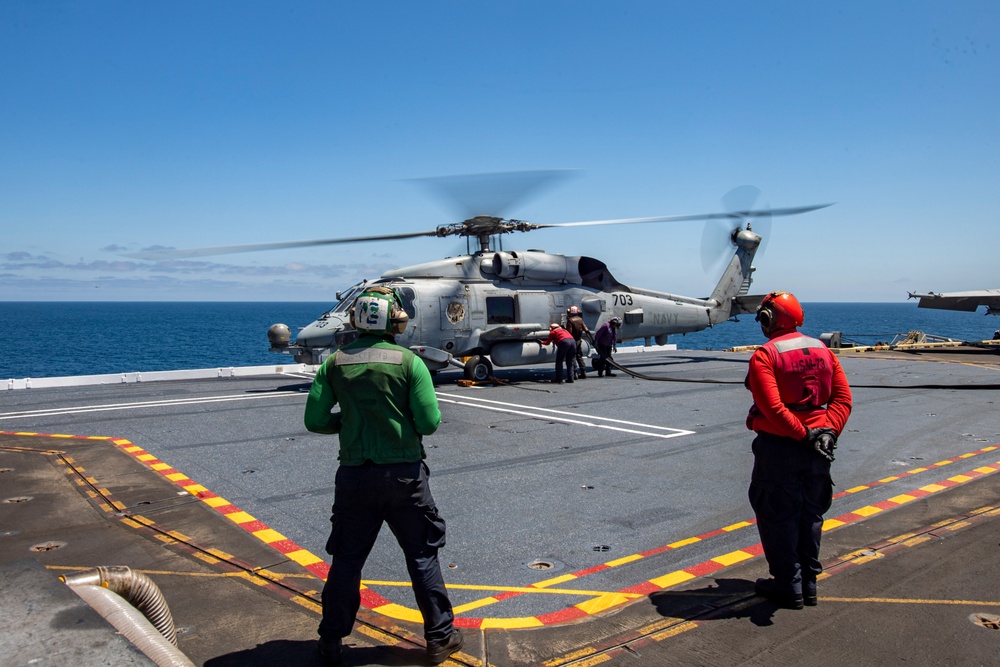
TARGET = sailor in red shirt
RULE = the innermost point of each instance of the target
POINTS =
(565, 351)
(801, 405)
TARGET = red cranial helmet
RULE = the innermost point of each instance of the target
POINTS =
(573, 310)
(779, 311)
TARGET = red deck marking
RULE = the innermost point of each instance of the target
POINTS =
(373, 600)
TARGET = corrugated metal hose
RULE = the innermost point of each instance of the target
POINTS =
(133, 604)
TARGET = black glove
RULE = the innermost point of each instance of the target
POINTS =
(824, 445)
(822, 440)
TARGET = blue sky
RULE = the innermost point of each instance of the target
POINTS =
(126, 125)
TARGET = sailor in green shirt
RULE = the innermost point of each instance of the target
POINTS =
(387, 404)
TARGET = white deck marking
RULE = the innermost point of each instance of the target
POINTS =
(553, 415)
(139, 404)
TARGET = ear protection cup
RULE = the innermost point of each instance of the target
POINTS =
(399, 320)
(766, 317)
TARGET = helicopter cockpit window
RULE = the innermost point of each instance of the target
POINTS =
(499, 310)
(346, 299)
(406, 295)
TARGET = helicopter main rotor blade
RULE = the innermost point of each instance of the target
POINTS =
(180, 253)
(492, 194)
(737, 215)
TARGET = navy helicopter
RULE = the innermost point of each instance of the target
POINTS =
(489, 307)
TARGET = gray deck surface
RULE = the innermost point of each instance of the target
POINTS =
(618, 485)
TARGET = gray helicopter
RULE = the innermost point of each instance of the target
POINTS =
(490, 307)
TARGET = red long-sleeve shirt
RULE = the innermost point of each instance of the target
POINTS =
(806, 389)
(556, 335)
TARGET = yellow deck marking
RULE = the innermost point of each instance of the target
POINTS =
(509, 589)
(483, 602)
(674, 631)
(596, 660)
(268, 535)
(590, 650)
(600, 600)
(868, 510)
(622, 561)
(732, 558)
(511, 623)
(554, 580)
(737, 526)
(977, 603)
(671, 579)
(681, 543)
(603, 602)
(399, 612)
(303, 557)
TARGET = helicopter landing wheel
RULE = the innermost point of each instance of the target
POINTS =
(478, 368)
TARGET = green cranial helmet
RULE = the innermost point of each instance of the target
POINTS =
(378, 310)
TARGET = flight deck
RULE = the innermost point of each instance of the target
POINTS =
(600, 522)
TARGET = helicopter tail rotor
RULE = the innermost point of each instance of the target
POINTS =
(745, 210)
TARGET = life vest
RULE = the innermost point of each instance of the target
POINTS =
(803, 367)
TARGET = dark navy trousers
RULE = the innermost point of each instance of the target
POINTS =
(364, 497)
(565, 356)
(790, 490)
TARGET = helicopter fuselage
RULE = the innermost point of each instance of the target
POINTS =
(497, 306)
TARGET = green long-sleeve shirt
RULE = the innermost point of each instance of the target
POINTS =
(386, 398)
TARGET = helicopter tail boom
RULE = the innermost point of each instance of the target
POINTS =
(737, 277)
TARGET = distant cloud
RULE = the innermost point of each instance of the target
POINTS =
(25, 274)
(114, 247)
(21, 256)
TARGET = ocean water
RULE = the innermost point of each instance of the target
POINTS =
(84, 338)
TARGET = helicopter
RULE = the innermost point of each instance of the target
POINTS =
(491, 307)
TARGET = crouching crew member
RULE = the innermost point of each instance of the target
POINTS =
(387, 404)
(565, 351)
(801, 402)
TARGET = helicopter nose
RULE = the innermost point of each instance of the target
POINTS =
(330, 332)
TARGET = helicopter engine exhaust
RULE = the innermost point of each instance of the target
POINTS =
(535, 265)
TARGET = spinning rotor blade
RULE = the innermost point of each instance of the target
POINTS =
(172, 253)
(734, 215)
(717, 240)
(490, 194)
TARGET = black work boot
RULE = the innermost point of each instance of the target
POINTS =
(809, 598)
(331, 652)
(780, 595)
(439, 652)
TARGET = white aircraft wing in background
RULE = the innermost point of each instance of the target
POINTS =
(964, 301)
